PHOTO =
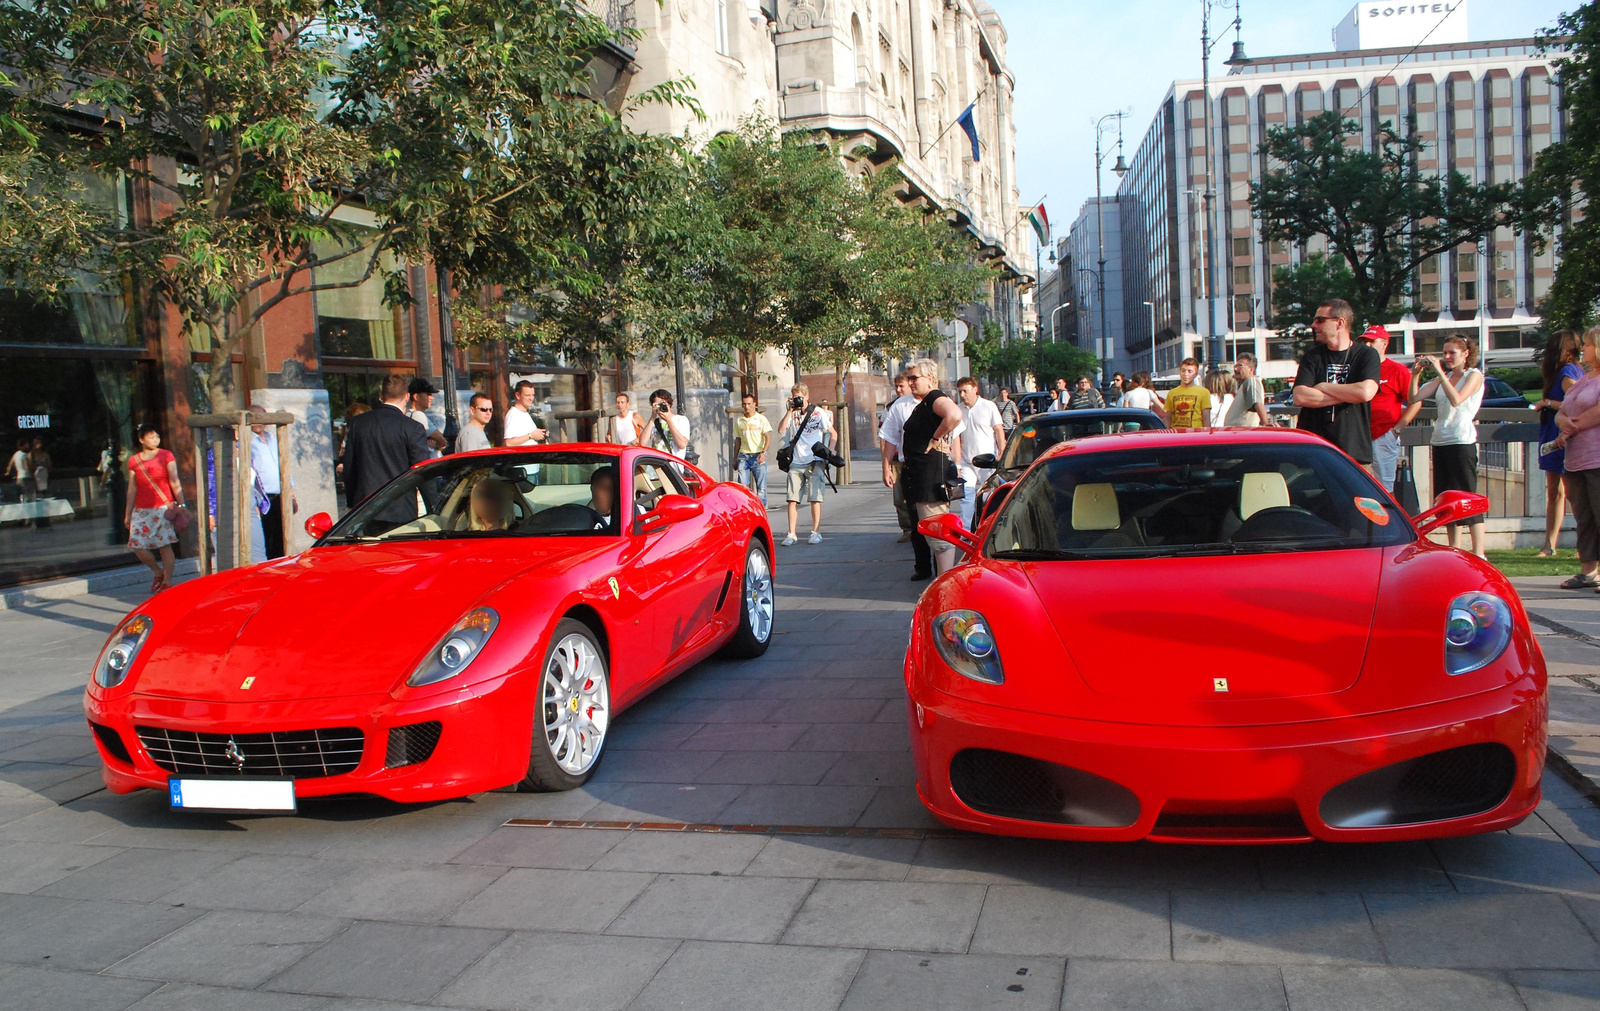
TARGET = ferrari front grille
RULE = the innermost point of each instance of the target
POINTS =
(411, 745)
(300, 754)
(1446, 784)
(1031, 789)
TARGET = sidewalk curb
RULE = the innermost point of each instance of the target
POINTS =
(1556, 762)
(94, 582)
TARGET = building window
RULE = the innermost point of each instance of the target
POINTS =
(1241, 247)
(1467, 291)
(720, 15)
(353, 322)
(1504, 290)
(1429, 293)
(1241, 277)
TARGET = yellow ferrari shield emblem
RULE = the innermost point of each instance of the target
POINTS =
(616, 591)
(247, 683)
(1219, 684)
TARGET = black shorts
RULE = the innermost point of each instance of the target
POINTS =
(1455, 468)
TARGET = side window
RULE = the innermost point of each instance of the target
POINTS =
(689, 479)
(651, 480)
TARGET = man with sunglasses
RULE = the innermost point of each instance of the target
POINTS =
(1337, 381)
(473, 435)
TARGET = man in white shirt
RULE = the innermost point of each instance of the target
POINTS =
(520, 429)
(264, 461)
(890, 437)
(983, 433)
(480, 408)
(421, 393)
(664, 430)
(1062, 398)
(803, 426)
(626, 424)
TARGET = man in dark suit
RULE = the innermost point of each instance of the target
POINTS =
(380, 445)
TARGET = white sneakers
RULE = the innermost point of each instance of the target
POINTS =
(815, 538)
(788, 540)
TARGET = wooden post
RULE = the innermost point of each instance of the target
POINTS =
(244, 489)
(203, 484)
(285, 494)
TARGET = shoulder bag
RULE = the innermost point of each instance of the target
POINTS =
(176, 514)
(786, 451)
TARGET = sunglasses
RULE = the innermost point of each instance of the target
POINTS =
(490, 408)
(1324, 319)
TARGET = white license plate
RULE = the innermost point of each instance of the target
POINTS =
(231, 794)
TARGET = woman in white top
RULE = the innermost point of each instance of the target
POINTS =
(625, 425)
(1141, 397)
(1457, 391)
(1220, 385)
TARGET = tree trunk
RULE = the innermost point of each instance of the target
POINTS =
(447, 360)
(794, 350)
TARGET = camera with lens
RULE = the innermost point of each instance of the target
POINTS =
(796, 403)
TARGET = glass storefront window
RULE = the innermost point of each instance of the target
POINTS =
(353, 322)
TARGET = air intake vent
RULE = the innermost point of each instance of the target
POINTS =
(1016, 786)
(301, 754)
(1446, 784)
(412, 745)
(112, 742)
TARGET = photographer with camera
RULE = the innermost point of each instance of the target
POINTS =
(805, 427)
(664, 430)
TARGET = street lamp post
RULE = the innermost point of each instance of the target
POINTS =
(1151, 306)
(1213, 340)
(1063, 305)
(1120, 169)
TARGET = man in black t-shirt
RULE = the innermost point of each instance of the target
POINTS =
(1337, 381)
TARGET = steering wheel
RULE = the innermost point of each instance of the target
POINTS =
(1283, 523)
(569, 518)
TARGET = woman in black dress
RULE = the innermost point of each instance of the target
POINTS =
(926, 449)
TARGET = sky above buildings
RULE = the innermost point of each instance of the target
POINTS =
(1076, 60)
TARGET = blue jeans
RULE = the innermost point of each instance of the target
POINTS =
(752, 473)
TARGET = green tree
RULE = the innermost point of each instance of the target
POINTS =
(1298, 289)
(1380, 213)
(1566, 176)
(1045, 361)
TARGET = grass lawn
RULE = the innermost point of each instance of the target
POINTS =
(1526, 562)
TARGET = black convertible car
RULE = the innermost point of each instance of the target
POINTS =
(1028, 441)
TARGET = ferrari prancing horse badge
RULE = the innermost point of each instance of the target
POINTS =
(616, 591)
(1219, 684)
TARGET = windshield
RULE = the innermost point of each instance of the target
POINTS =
(506, 495)
(1032, 438)
(1194, 500)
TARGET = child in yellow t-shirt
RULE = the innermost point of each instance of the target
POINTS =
(1189, 404)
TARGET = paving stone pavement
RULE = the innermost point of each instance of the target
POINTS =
(114, 902)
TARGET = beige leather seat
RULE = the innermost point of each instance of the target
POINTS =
(1094, 507)
(1262, 490)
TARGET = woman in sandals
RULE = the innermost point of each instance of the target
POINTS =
(1579, 423)
(153, 476)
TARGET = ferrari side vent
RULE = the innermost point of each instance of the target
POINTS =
(112, 742)
(722, 598)
(1446, 784)
(1030, 789)
(412, 745)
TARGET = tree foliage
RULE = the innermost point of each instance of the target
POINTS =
(1045, 361)
(1566, 176)
(1380, 213)
(1298, 289)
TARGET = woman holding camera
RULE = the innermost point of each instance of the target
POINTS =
(803, 427)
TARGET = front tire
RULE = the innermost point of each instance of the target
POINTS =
(757, 606)
(573, 711)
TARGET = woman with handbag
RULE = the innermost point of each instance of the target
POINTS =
(930, 453)
(156, 510)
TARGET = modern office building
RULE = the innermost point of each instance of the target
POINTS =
(1485, 109)
(1099, 318)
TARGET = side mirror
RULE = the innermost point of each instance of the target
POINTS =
(669, 509)
(947, 527)
(1449, 507)
(318, 524)
(985, 461)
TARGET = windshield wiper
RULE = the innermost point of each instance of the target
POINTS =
(1041, 555)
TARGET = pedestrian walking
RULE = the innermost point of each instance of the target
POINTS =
(1456, 392)
(18, 470)
(981, 433)
(1336, 383)
(1084, 396)
(891, 435)
(1390, 406)
(519, 427)
(667, 432)
(421, 394)
(1062, 395)
(1560, 369)
(475, 433)
(156, 502)
(626, 424)
(1220, 385)
(1578, 421)
(1141, 397)
(1189, 403)
(929, 450)
(1249, 407)
(1008, 411)
(753, 432)
(264, 460)
(39, 460)
(379, 446)
(1113, 393)
(803, 428)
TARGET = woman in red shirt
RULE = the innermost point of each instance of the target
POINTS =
(153, 477)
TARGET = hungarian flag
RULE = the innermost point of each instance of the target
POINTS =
(1041, 223)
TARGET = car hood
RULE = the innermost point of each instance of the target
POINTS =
(335, 620)
(1165, 629)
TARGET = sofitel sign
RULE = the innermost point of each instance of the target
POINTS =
(1395, 25)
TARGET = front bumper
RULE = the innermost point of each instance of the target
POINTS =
(1227, 784)
(483, 742)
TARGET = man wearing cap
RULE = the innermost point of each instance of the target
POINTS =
(1389, 410)
(421, 393)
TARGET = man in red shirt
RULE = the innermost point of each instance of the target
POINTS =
(1389, 411)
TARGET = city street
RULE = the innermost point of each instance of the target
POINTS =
(748, 900)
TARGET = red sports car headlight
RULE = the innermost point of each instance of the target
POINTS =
(117, 657)
(1476, 631)
(966, 644)
(459, 647)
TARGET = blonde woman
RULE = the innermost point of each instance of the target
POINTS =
(1456, 392)
(1579, 423)
(490, 505)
